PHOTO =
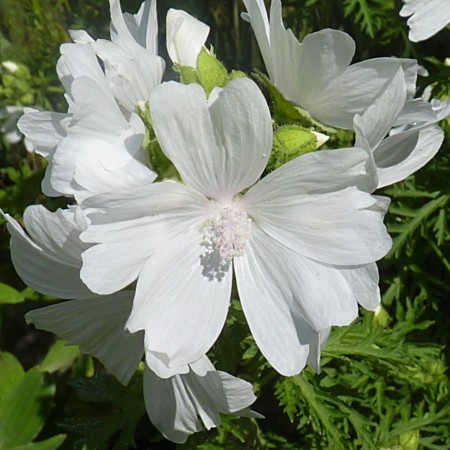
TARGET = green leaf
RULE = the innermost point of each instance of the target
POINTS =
(125, 409)
(60, 357)
(49, 444)
(9, 295)
(23, 410)
(11, 373)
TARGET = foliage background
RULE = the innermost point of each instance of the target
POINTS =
(384, 380)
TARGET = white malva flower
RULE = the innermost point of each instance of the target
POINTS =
(186, 37)
(9, 116)
(402, 136)
(426, 18)
(101, 132)
(95, 136)
(49, 260)
(302, 241)
(10, 66)
(132, 65)
(316, 74)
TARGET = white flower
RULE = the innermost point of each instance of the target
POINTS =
(186, 37)
(97, 132)
(87, 146)
(402, 135)
(49, 260)
(132, 65)
(316, 74)
(10, 115)
(302, 241)
(10, 66)
(427, 17)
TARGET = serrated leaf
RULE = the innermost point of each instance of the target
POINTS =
(126, 409)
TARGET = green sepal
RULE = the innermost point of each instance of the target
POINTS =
(409, 440)
(158, 161)
(188, 74)
(211, 72)
(289, 142)
(381, 317)
(236, 74)
(286, 112)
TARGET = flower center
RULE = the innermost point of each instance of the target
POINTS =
(228, 232)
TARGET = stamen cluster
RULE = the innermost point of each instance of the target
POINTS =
(228, 232)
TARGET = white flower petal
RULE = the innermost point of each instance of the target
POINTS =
(179, 405)
(131, 75)
(321, 59)
(51, 264)
(57, 233)
(78, 60)
(441, 108)
(315, 75)
(95, 176)
(97, 325)
(288, 299)
(307, 206)
(128, 227)
(185, 37)
(417, 111)
(182, 299)
(118, 258)
(97, 118)
(120, 32)
(380, 117)
(257, 16)
(80, 37)
(427, 17)
(315, 173)
(143, 26)
(402, 154)
(364, 284)
(357, 88)
(315, 346)
(43, 129)
(343, 228)
(219, 148)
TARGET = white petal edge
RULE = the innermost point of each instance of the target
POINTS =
(97, 325)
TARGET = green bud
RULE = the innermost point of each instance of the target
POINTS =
(235, 74)
(409, 440)
(188, 75)
(289, 142)
(381, 317)
(211, 72)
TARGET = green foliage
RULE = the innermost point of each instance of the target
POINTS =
(371, 15)
(59, 358)
(120, 410)
(24, 405)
